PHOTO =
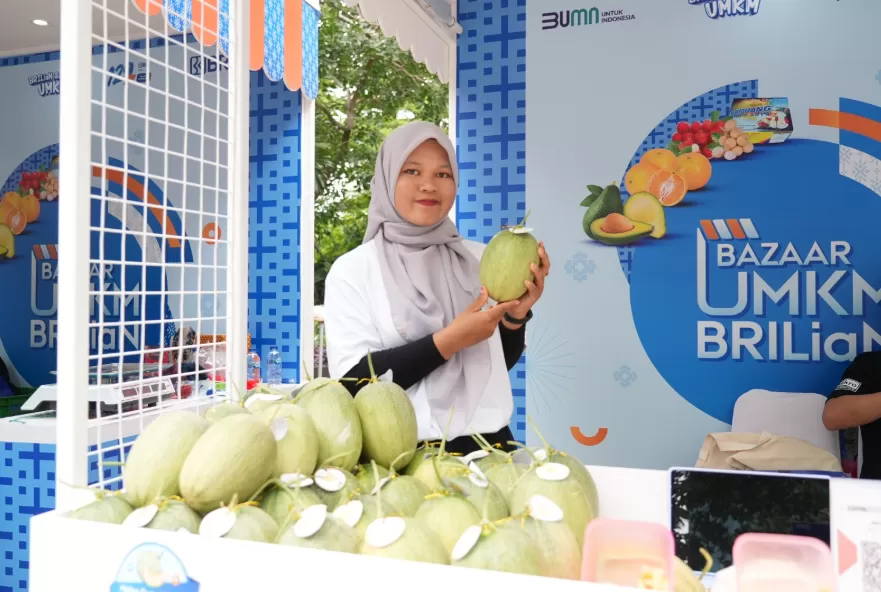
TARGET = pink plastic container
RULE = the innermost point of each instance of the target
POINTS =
(782, 563)
(622, 552)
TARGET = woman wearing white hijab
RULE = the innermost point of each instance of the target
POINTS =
(411, 296)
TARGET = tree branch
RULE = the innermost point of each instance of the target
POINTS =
(329, 114)
(351, 107)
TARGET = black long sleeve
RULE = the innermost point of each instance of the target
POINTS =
(513, 343)
(413, 361)
(409, 364)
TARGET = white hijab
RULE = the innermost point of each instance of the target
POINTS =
(430, 276)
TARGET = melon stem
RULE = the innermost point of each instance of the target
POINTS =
(379, 515)
(547, 446)
(306, 372)
(523, 221)
(370, 365)
(395, 462)
(709, 563)
(524, 447)
(330, 459)
(262, 488)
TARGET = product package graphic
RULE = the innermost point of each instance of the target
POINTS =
(765, 121)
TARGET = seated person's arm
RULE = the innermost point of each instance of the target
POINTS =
(856, 401)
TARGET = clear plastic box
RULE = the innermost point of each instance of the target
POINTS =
(628, 553)
(782, 563)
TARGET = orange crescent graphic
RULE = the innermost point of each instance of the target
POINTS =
(589, 440)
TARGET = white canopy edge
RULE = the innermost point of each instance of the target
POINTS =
(416, 29)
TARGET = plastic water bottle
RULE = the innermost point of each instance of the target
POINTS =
(273, 367)
(253, 367)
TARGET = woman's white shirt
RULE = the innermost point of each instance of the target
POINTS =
(358, 319)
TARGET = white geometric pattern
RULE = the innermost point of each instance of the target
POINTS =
(863, 168)
(310, 51)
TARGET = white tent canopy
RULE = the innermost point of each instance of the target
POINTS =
(425, 28)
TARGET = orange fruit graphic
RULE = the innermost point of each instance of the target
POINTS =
(669, 187)
(695, 168)
(660, 158)
(30, 206)
(637, 178)
(11, 199)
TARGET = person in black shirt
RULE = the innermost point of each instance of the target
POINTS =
(856, 403)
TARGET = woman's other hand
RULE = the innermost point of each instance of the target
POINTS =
(472, 326)
(534, 289)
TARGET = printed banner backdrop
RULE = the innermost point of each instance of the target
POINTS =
(29, 203)
(742, 251)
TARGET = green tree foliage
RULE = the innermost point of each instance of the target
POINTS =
(368, 85)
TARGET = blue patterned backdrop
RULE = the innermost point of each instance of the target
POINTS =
(274, 223)
(492, 133)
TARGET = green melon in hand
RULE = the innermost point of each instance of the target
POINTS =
(505, 264)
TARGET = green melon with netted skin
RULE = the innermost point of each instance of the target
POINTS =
(236, 456)
(388, 422)
(505, 264)
(336, 420)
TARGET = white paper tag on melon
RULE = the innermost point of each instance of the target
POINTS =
(541, 508)
(330, 479)
(183, 530)
(477, 477)
(541, 455)
(279, 427)
(382, 532)
(552, 472)
(311, 521)
(261, 397)
(217, 523)
(80, 497)
(386, 377)
(379, 485)
(294, 479)
(466, 542)
(520, 230)
(141, 517)
(350, 513)
(476, 455)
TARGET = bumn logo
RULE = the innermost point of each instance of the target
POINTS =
(722, 8)
(570, 18)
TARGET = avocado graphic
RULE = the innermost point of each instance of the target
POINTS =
(617, 229)
(600, 203)
(645, 207)
(7, 242)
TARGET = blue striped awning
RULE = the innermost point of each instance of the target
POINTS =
(284, 34)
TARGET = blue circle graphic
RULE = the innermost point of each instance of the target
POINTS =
(801, 207)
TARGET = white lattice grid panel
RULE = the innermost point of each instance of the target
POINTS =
(161, 135)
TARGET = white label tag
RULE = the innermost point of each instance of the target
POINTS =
(311, 521)
(476, 455)
(294, 479)
(552, 472)
(466, 542)
(541, 508)
(387, 376)
(217, 523)
(477, 477)
(382, 532)
(541, 455)
(330, 479)
(379, 485)
(141, 517)
(849, 384)
(520, 230)
(261, 397)
(279, 427)
(350, 513)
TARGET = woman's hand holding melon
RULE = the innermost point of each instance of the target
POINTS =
(472, 326)
(534, 289)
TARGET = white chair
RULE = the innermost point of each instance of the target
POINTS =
(794, 415)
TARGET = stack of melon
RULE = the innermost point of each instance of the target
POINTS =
(329, 471)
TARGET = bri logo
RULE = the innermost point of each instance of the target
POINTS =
(205, 65)
(722, 8)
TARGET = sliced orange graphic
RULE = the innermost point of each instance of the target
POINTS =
(594, 440)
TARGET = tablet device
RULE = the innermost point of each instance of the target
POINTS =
(711, 508)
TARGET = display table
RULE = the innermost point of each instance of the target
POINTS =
(27, 479)
(72, 555)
